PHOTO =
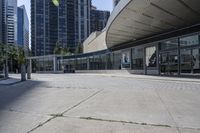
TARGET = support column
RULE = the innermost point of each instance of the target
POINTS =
(54, 64)
(88, 64)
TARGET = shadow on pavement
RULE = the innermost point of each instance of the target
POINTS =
(9, 94)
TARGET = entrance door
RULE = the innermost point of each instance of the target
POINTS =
(169, 63)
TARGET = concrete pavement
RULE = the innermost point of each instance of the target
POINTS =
(10, 81)
(82, 103)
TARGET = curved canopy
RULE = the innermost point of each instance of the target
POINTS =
(136, 19)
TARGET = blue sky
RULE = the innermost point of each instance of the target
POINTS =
(100, 4)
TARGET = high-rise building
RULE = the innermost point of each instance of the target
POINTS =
(67, 24)
(115, 2)
(9, 20)
(1, 7)
(98, 19)
(23, 28)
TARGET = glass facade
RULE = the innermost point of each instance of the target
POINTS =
(173, 57)
(190, 61)
(68, 24)
(151, 57)
(138, 58)
(98, 20)
(169, 63)
(190, 40)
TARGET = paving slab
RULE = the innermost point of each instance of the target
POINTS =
(47, 101)
(190, 130)
(184, 106)
(73, 125)
(98, 103)
(10, 81)
(137, 106)
(16, 122)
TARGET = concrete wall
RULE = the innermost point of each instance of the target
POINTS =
(95, 42)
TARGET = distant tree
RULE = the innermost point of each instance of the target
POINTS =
(4, 58)
(59, 50)
(12, 52)
(12, 55)
(66, 52)
(79, 49)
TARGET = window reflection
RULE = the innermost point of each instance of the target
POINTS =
(186, 61)
(169, 44)
(196, 60)
(190, 61)
(169, 63)
(189, 40)
(117, 60)
(137, 58)
(151, 56)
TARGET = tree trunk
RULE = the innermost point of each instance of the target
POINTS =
(6, 68)
(29, 67)
(11, 64)
(23, 72)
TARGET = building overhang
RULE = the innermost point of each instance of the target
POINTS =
(133, 20)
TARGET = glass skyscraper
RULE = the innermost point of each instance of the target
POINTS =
(67, 24)
(23, 28)
(9, 21)
(1, 21)
(98, 19)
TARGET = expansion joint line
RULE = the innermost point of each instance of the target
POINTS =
(168, 111)
(61, 114)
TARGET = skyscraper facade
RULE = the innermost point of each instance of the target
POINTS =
(98, 19)
(67, 24)
(115, 2)
(1, 21)
(9, 20)
(23, 28)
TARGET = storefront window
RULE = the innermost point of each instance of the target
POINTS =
(169, 63)
(126, 59)
(117, 60)
(151, 56)
(189, 40)
(103, 62)
(169, 44)
(110, 61)
(137, 58)
(196, 60)
(186, 61)
(81, 64)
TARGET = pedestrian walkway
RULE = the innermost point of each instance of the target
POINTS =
(149, 77)
(10, 81)
(100, 103)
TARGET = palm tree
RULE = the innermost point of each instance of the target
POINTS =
(22, 61)
(12, 54)
(79, 49)
(4, 58)
(59, 50)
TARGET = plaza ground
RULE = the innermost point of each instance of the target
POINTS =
(100, 103)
